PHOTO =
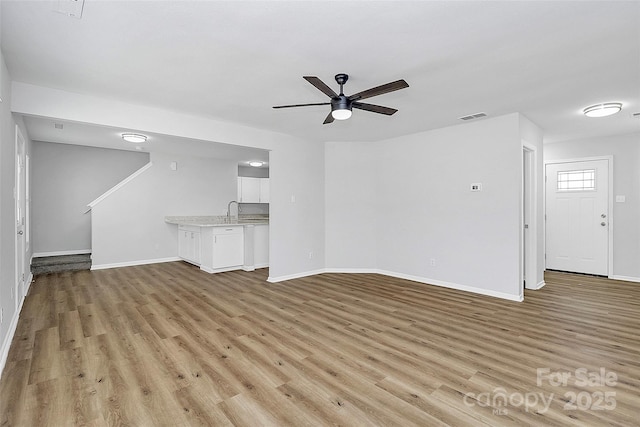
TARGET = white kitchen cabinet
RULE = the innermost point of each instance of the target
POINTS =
(253, 190)
(228, 247)
(261, 246)
(264, 190)
(256, 246)
(249, 190)
(189, 244)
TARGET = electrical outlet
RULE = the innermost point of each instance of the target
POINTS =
(311, 255)
(433, 262)
(1, 315)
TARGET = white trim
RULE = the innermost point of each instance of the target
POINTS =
(254, 267)
(536, 287)
(347, 270)
(28, 287)
(118, 186)
(609, 159)
(456, 286)
(626, 278)
(534, 191)
(19, 228)
(60, 253)
(134, 263)
(295, 276)
(487, 292)
(13, 326)
(221, 270)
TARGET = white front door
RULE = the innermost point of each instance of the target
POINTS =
(577, 227)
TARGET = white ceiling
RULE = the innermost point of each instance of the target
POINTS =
(234, 60)
(44, 129)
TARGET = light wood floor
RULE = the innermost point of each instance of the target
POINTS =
(169, 345)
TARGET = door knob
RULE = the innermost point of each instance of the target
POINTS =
(603, 223)
(21, 232)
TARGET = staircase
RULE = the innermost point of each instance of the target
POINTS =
(57, 264)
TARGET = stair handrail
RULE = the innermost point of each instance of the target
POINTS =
(118, 186)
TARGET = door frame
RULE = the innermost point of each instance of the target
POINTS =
(529, 263)
(20, 242)
(609, 159)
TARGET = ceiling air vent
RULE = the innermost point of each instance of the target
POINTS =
(473, 116)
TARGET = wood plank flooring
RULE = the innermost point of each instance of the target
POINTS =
(169, 345)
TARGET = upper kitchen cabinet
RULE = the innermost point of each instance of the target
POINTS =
(253, 190)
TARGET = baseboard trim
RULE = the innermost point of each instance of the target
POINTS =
(221, 270)
(6, 345)
(60, 253)
(424, 280)
(134, 263)
(456, 286)
(626, 278)
(536, 287)
(254, 267)
(28, 283)
(295, 276)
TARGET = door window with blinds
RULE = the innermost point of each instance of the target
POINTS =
(577, 180)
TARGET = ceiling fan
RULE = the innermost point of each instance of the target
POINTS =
(341, 104)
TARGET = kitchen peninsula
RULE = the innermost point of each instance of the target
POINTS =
(219, 243)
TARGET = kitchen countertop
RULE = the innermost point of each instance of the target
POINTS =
(216, 221)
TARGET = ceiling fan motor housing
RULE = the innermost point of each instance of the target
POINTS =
(340, 103)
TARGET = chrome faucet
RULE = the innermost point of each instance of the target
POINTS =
(229, 210)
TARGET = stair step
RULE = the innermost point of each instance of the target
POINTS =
(57, 264)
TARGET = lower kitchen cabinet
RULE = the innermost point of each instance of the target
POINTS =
(228, 247)
(222, 248)
(189, 244)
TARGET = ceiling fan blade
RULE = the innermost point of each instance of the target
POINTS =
(302, 105)
(321, 86)
(374, 108)
(379, 90)
(329, 119)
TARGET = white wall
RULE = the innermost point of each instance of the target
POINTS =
(128, 225)
(296, 166)
(626, 181)
(65, 179)
(395, 205)
(9, 305)
(351, 205)
(428, 211)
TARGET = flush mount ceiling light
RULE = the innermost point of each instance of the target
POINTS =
(256, 164)
(603, 110)
(136, 138)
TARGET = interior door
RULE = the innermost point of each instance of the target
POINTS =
(577, 227)
(20, 196)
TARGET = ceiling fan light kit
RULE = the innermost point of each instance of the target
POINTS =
(342, 105)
